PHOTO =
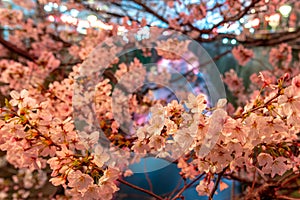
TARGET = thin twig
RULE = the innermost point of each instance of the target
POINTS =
(147, 177)
(150, 11)
(186, 187)
(258, 107)
(232, 195)
(176, 188)
(286, 180)
(254, 180)
(216, 184)
(286, 197)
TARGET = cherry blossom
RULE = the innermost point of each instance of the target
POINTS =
(196, 104)
(79, 181)
(204, 187)
(254, 139)
(172, 48)
(279, 166)
(281, 56)
(289, 101)
(242, 55)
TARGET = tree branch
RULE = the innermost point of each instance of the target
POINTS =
(186, 187)
(273, 39)
(233, 18)
(16, 50)
(237, 178)
(140, 189)
(217, 184)
(88, 7)
(286, 197)
(150, 11)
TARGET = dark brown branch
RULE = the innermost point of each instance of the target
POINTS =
(274, 39)
(58, 39)
(269, 40)
(150, 11)
(217, 184)
(287, 179)
(237, 178)
(286, 197)
(186, 187)
(88, 7)
(16, 49)
(140, 189)
(231, 19)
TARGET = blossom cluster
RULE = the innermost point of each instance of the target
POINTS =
(41, 141)
(33, 137)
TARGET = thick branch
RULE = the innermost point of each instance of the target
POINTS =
(16, 50)
(274, 39)
(233, 18)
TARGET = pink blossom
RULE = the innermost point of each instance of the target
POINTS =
(242, 55)
(235, 131)
(106, 183)
(196, 103)
(174, 108)
(56, 181)
(223, 186)
(205, 187)
(289, 102)
(27, 4)
(157, 142)
(170, 3)
(156, 125)
(89, 140)
(234, 83)
(172, 48)
(198, 12)
(140, 147)
(100, 156)
(10, 17)
(266, 161)
(183, 138)
(79, 181)
(21, 99)
(92, 193)
(187, 169)
(128, 173)
(266, 79)
(296, 84)
(281, 56)
(279, 166)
